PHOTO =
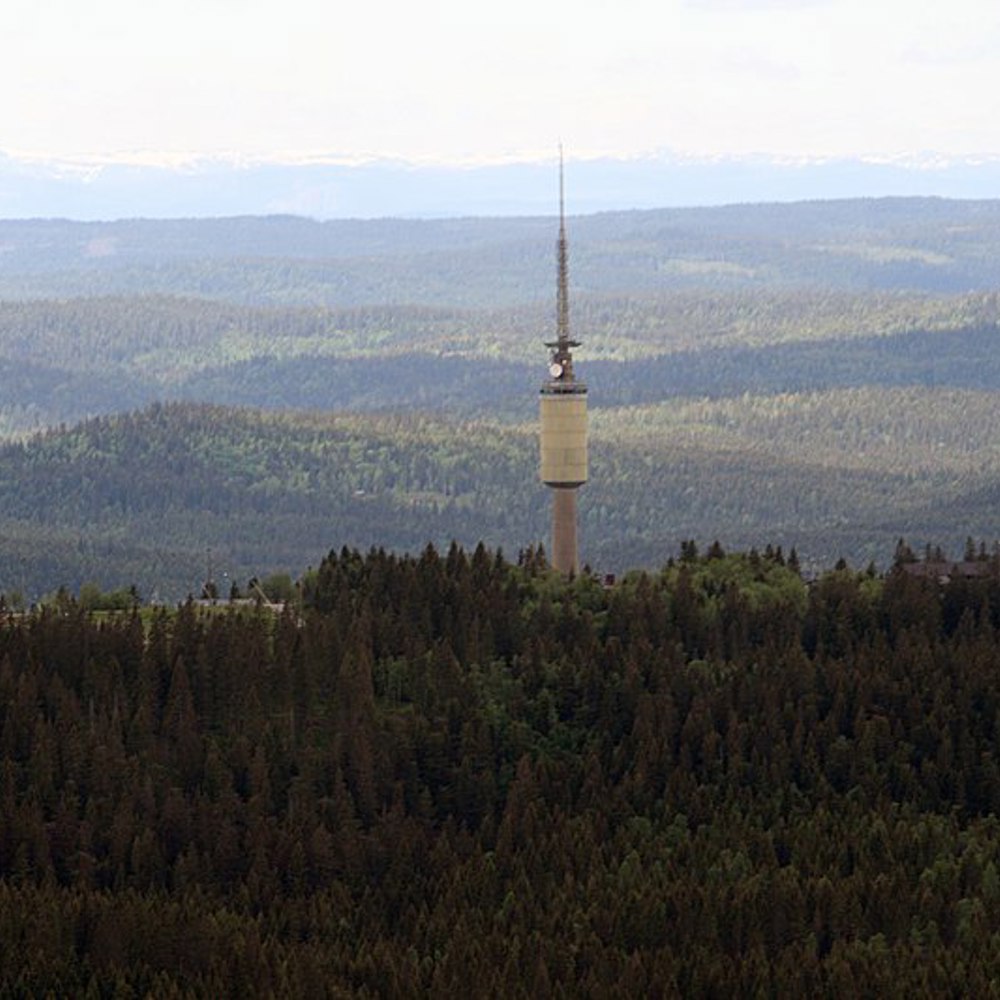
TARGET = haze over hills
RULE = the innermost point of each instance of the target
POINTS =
(925, 245)
(821, 375)
(96, 189)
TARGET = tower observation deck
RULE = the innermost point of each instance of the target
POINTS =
(563, 412)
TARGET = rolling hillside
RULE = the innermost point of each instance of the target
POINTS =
(821, 375)
(924, 244)
(64, 361)
(141, 498)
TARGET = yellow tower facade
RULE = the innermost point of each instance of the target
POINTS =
(564, 436)
(563, 418)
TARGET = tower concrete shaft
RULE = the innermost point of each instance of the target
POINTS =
(565, 557)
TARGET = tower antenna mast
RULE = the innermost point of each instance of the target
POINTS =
(562, 256)
(562, 346)
(563, 412)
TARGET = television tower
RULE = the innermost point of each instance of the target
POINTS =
(563, 406)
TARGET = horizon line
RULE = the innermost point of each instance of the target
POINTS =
(182, 160)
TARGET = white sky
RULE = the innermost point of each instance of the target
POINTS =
(461, 80)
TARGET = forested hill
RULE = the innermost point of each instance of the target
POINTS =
(62, 361)
(903, 243)
(141, 498)
(451, 770)
(823, 376)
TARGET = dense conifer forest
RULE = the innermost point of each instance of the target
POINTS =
(449, 769)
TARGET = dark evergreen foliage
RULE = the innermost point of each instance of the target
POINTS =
(448, 773)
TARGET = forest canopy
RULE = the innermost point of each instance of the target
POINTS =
(712, 779)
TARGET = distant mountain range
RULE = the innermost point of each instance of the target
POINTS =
(380, 189)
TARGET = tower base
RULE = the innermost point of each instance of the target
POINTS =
(565, 557)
